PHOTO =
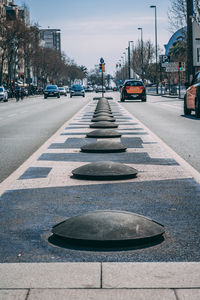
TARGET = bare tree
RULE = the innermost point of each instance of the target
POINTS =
(177, 14)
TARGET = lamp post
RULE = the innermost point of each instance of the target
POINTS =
(129, 59)
(123, 68)
(142, 52)
(190, 68)
(124, 64)
(156, 46)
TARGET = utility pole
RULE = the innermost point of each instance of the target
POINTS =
(142, 52)
(190, 68)
(129, 59)
(156, 46)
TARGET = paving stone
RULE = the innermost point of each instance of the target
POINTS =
(51, 275)
(188, 294)
(102, 294)
(13, 294)
(151, 275)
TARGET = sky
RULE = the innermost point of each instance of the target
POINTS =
(91, 29)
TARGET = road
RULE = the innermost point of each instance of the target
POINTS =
(164, 116)
(26, 125)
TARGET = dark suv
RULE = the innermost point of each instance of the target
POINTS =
(133, 89)
(51, 91)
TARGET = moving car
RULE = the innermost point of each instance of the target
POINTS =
(133, 89)
(51, 91)
(77, 90)
(62, 91)
(89, 89)
(3, 94)
(192, 97)
(99, 89)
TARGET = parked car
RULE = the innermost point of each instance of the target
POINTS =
(99, 89)
(133, 89)
(62, 91)
(3, 94)
(77, 90)
(51, 91)
(192, 97)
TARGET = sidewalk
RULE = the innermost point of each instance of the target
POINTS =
(33, 201)
(119, 281)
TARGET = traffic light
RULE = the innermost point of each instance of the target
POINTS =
(100, 67)
(180, 66)
(103, 67)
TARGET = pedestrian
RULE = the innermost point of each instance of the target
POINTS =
(17, 92)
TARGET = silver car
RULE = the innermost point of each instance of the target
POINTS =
(77, 90)
(3, 94)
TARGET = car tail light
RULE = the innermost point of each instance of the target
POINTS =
(142, 88)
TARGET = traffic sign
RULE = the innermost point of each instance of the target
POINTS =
(164, 59)
(101, 60)
(174, 67)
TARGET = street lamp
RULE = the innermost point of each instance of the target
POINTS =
(129, 59)
(142, 52)
(156, 45)
(124, 65)
(123, 68)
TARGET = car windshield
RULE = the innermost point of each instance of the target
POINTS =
(134, 83)
(77, 87)
(51, 87)
(1, 89)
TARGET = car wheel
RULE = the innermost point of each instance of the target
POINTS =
(45, 97)
(197, 108)
(58, 96)
(187, 111)
(144, 99)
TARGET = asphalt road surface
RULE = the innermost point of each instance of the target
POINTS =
(27, 124)
(164, 116)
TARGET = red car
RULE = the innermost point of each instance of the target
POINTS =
(192, 97)
(133, 89)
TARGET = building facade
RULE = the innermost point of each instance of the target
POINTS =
(50, 38)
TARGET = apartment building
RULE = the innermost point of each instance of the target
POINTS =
(50, 38)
